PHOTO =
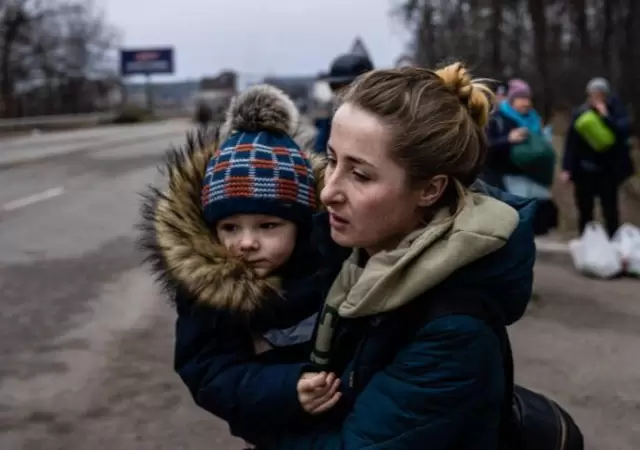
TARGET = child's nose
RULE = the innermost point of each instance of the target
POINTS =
(248, 242)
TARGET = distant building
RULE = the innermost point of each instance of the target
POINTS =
(300, 89)
(215, 93)
(227, 80)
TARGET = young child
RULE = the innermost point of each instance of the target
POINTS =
(259, 198)
(233, 238)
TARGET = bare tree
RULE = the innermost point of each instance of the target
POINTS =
(557, 45)
(53, 56)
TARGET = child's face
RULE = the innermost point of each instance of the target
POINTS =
(264, 242)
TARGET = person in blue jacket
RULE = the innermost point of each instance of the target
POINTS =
(233, 239)
(344, 69)
(404, 151)
(598, 174)
(513, 121)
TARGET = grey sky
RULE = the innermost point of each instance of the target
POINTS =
(257, 36)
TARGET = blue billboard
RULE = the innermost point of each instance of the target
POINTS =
(146, 61)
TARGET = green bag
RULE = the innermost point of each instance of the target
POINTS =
(595, 131)
(536, 157)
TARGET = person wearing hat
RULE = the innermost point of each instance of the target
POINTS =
(344, 69)
(597, 154)
(516, 128)
(511, 123)
(233, 240)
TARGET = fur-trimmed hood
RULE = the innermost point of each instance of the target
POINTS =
(183, 252)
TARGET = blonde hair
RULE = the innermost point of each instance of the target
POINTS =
(437, 119)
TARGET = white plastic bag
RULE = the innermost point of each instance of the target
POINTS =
(576, 249)
(627, 242)
(594, 254)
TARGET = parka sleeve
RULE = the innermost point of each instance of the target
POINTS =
(217, 363)
(430, 395)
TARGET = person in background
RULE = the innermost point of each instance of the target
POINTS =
(344, 69)
(597, 154)
(501, 92)
(492, 173)
(514, 124)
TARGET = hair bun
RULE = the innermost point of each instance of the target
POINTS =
(474, 95)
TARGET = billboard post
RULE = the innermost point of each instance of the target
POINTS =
(147, 62)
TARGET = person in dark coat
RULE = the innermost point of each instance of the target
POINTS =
(344, 69)
(598, 174)
(233, 240)
(416, 234)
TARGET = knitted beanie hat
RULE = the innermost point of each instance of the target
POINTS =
(518, 88)
(259, 169)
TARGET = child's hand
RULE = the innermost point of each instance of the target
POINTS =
(318, 392)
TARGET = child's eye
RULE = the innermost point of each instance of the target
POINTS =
(228, 227)
(269, 225)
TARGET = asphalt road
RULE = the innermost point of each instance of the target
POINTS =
(86, 341)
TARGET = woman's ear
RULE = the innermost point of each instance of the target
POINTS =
(433, 190)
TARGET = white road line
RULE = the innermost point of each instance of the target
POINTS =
(31, 199)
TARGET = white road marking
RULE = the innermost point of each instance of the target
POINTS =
(31, 199)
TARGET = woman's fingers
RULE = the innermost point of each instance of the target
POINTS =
(322, 398)
(329, 404)
(311, 382)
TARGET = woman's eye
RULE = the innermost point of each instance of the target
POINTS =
(331, 162)
(269, 225)
(361, 177)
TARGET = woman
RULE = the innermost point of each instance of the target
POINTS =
(516, 125)
(405, 146)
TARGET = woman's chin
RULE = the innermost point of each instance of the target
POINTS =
(343, 239)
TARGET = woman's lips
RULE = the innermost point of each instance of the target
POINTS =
(337, 222)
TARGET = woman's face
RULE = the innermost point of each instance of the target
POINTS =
(367, 193)
(521, 104)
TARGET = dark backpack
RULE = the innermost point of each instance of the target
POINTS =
(530, 420)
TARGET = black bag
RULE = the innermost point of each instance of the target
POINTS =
(530, 420)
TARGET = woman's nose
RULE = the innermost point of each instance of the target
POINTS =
(331, 193)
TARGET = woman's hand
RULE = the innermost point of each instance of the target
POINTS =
(518, 135)
(318, 392)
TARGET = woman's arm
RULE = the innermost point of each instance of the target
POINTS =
(216, 361)
(433, 393)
